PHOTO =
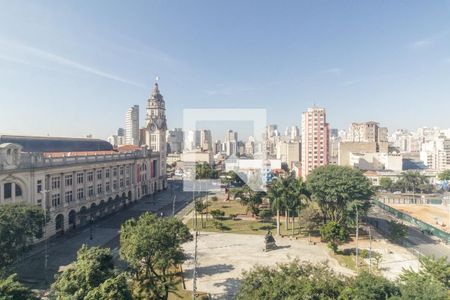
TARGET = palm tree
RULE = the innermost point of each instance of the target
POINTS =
(276, 198)
(296, 197)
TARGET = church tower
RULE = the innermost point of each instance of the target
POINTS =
(156, 127)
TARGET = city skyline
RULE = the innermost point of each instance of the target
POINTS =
(382, 67)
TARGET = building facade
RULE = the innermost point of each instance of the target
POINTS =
(75, 188)
(132, 126)
(315, 140)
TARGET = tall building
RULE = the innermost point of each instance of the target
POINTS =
(156, 125)
(205, 140)
(175, 139)
(231, 142)
(367, 132)
(288, 152)
(132, 126)
(363, 138)
(192, 140)
(315, 140)
(120, 132)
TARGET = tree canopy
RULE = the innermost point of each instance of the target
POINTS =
(337, 190)
(91, 269)
(444, 175)
(290, 281)
(11, 289)
(19, 224)
(152, 248)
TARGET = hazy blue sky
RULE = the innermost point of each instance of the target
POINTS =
(73, 67)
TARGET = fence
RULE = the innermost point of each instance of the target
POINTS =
(422, 225)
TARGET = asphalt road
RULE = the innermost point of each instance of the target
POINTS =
(416, 241)
(105, 232)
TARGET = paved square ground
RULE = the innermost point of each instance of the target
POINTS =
(222, 257)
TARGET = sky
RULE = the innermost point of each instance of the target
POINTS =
(72, 68)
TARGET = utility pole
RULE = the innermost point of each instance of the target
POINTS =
(357, 234)
(194, 280)
(370, 250)
(173, 205)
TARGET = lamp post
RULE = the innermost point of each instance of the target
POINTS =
(44, 229)
(91, 230)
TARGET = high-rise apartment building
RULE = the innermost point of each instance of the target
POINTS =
(132, 126)
(175, 139)
(205, 140)
(231, 140)
(315, 140)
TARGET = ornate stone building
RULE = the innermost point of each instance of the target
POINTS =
(156, 127)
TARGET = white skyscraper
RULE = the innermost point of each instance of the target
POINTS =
(132, 126)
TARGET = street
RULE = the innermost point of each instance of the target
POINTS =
(62, 250)
(416, 241)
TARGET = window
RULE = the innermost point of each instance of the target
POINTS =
(91, 191)
(56, 200)
(68, 196)
(107, 171)
(18, 191)
(68, 180)
(80, 178)
(115, 185)
(128, 170)
(56, 182)
(107, 187)
(90, 176)
(121, 182)
(99, 174)
(121, 170)
(7, 189)
(39, 186)
(128, 181)
(99, 189)
(115, 172)
(80, 193)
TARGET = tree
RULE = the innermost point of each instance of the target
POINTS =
(444, 175)
(296, 196)
(290, 281)
(369, 287)
(250, 199)
(417, 286)
(439, 269)
(115, 288)
(152, 248)
(386, 183)
(310, 218)
(92, 267)
(276, 197)
(398, 230)
(334, 188)
(200, 208)
(11, 289)
(411, 180)
(334, 233)
(204, 171)
(19, 224)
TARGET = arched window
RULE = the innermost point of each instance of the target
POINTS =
(18, 191)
